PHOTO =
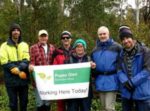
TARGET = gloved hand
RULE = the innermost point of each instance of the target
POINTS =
(22, 75)
(129, 86)
(15, 71)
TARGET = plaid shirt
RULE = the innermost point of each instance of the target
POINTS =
(38, 56)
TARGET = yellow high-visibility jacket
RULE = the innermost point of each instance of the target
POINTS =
(11, 56)
(11, 53)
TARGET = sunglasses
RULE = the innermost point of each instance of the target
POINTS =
(63, 38)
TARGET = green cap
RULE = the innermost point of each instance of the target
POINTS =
(80, 41)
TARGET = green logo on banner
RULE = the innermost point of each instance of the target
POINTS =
(76, 75)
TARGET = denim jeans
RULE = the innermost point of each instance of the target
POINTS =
(81, 104)
(135, 105)
(128, 105)
(143, 105)
(15, 93)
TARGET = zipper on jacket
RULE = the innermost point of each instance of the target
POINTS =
(16, 46)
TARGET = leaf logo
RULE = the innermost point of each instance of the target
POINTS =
(49, 77)
(43, 76)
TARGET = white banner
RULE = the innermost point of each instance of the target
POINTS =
(62, 81)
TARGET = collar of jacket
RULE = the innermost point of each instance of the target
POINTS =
(130, 52)
(61, 50)
(103, 44)
(11, 42)
(137, 47)
(40, 45)
(74, 55)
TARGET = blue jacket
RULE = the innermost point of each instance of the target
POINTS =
(140, 79)
(105, 56)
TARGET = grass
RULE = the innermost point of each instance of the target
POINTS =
(31, 105)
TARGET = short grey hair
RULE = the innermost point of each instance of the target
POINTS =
(102, 28)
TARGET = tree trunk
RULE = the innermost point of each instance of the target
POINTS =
(137, 3)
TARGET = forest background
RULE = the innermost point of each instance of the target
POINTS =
(81, 17)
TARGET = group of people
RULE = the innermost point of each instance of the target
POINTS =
(114, 67)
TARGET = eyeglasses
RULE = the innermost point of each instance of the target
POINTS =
(63, 38)
(102, 33)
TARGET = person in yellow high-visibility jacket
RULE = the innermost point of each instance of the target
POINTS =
(14, 58)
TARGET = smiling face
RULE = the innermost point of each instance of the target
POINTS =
(103, 34)
(128, 42)
(66, 40)
(79, 49)
(43, 39)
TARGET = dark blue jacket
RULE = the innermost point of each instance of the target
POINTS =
(140, 78)
(105, 56)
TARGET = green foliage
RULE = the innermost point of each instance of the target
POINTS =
(141, 32)
(85, 16)
(3, 99)
(7, 15)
